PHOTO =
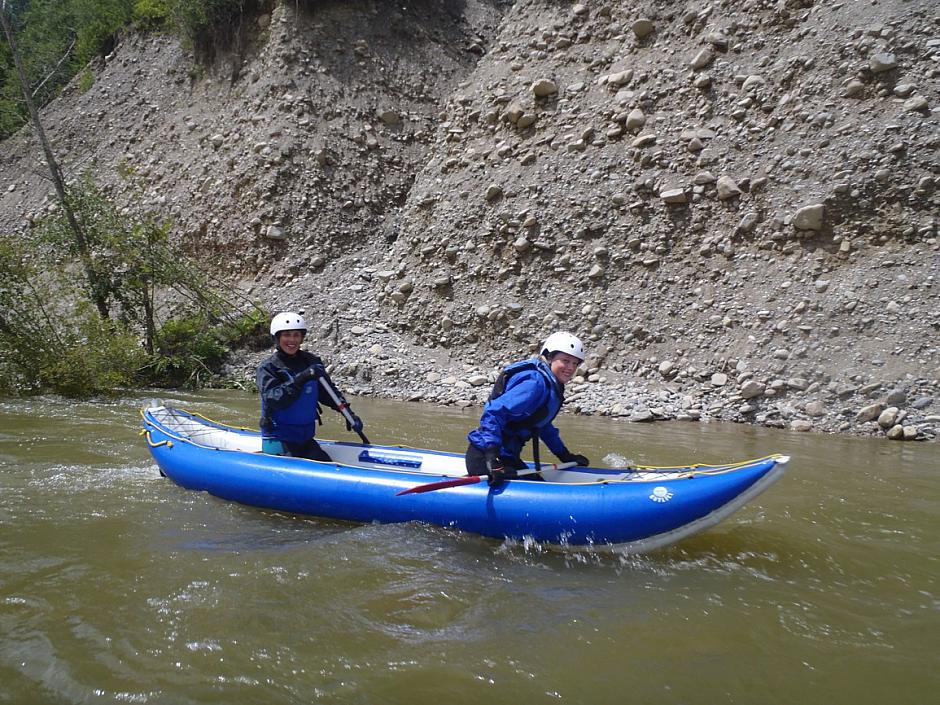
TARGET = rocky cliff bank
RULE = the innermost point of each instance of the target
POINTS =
(735, 204)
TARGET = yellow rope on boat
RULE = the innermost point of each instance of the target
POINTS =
(143, 411)
(219, 423)
(146, 434)
(714, 469)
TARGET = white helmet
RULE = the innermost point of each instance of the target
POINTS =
(563, 342)
(288, 321)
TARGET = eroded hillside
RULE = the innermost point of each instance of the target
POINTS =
(734, 203)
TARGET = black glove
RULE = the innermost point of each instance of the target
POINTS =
(355, 425)
(315, 371)
(496, 476)
(567, 456)
(496, 473)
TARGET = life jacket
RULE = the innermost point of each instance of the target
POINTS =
(295, 423)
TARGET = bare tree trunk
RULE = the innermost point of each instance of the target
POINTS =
(95, 284)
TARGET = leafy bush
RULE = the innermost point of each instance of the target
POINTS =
(45, 344)
(42, 347)
(189, 352)
(86, 79)
(250, 330)
(97, 25)
(101, 359)
(152, 14)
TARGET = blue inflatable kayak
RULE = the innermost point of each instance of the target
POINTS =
(632, 509)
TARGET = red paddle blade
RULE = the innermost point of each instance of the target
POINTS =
(431, 486)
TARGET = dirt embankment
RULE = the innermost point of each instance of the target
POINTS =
(735, 204)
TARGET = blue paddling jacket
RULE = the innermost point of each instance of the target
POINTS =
(530, 401)
(289, 410)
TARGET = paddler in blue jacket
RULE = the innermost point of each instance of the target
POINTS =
(524, 402)
(289, 383)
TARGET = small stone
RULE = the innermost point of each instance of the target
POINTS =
(815, 409)
(727, 188)
(810, 217)
(674, 196)
(753, 82)
(904, 90)
(642, 28)
(493, 191)
(896, 397)
(888, 417)
(797, 383)
(620, 78)
(703, 59)
(869, 413)
(879, 63)
(704, 177)
(917, 104)
(544, 87)
(853, 89)
(635, 120)
(752, 389)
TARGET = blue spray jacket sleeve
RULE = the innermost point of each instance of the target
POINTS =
(552, 438)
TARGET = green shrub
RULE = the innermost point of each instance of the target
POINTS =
(189, 353)
(250, 330)
(47, 345)
(152, 14)
(86, 79)
(105, 358)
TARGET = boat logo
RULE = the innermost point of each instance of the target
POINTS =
(661, 494)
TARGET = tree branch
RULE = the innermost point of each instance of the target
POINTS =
(56, 69)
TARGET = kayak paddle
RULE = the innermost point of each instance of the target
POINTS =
(473, 479)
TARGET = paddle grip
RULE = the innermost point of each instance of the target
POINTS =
(342, 406)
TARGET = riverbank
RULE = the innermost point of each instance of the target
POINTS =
(380, 364)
